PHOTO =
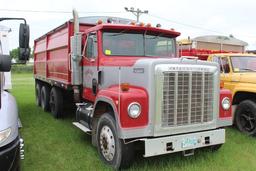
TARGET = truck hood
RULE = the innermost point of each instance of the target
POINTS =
(248, 78)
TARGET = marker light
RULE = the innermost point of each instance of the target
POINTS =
(125, 86)
(221, 84)
(148, 25)
(158, 25)
(99, 22)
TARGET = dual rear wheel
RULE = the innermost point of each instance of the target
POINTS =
(49, 98)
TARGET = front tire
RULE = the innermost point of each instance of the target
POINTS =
(111, 149)
(56, 102)
(245, 117)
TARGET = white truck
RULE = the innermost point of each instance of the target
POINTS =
(11, 144)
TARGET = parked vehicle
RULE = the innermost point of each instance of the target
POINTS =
(130, 90)
(238, 73)
(203, 46)
(11, 144)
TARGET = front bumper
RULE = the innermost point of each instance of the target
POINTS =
(183, 142)
(10, 156)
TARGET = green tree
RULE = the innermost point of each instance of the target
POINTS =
(14, 53)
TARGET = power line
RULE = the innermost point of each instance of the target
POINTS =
(198, 27)
(187, 25)
(60, 12)
(137, 13)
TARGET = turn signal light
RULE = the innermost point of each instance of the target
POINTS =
(221, 84)
(125, 86)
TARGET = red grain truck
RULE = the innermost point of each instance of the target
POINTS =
(129, 89)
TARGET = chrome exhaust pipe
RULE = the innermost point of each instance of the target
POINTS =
(22, 151)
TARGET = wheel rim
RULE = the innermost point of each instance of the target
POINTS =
(107, 143)
(52, 102)
(248, 121)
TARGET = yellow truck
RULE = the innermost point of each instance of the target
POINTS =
(238, 74)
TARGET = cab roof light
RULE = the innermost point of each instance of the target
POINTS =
(99, 21)
(110, 20)
(158, 25)
(141, 24)
(132, 23)
(148, 25)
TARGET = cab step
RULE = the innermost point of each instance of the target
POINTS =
(82, 127)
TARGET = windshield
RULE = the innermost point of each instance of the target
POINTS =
(137, 44)
(243, 63)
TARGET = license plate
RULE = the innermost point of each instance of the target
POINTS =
(189, 142)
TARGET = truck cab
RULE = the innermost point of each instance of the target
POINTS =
(11, 143)
(238, 73)
(9, 135)
(130, 89)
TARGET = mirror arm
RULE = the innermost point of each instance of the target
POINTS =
(4, 18)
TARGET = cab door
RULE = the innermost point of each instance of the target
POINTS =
(226, 74)
(90, 67)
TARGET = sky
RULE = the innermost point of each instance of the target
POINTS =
(191, 18)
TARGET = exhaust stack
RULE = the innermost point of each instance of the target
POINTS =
(76, 53)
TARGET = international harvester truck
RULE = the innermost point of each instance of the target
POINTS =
(129, 89)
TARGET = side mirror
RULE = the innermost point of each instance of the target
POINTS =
(5, 63)
(24, 34)
(24, 54)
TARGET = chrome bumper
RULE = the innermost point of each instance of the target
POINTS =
(184, 142)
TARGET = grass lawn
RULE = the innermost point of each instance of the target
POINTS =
(56, 145)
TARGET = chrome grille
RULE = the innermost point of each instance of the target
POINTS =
(187, 98)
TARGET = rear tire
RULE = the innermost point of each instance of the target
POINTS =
(38, 93)
(45, 98)
(56, 102)
(245, 117)
(111, 149)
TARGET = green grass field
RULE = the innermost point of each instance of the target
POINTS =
(56, 145)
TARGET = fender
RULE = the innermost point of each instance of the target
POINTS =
(244, 88)
(225, 114)
(120, 100)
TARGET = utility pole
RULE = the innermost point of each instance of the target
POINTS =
(137, 12)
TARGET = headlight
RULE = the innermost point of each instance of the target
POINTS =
(225, 103)
(4, 134)
(134, 110)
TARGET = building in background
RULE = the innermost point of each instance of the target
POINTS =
(202, 46)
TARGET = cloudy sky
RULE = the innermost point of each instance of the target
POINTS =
(191, 18)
